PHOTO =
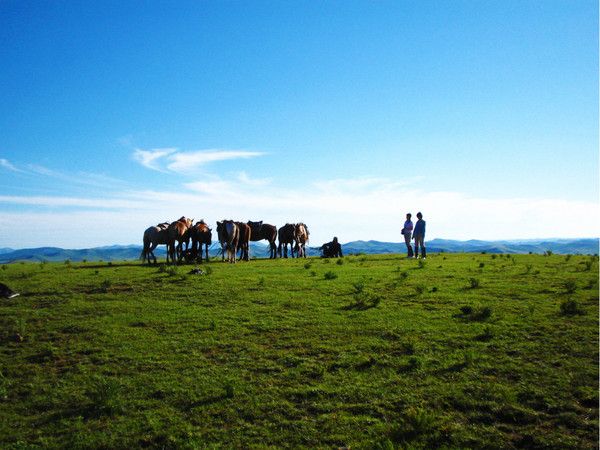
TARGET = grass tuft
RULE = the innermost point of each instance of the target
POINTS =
(571, 308)
(477, 314)
(570, 286)
(330, 275)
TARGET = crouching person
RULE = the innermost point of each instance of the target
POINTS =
(332, 249)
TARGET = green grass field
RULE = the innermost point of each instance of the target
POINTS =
(459, 351)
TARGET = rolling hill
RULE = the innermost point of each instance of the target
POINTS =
(259, 250)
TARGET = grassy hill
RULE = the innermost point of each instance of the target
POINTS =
(460, 350)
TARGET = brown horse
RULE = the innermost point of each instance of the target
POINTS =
(286, 236)
(244, 240)
(201, 235)
(153, 237)
(229, 235)
(179, 232)
(264, 231)
(301, 234)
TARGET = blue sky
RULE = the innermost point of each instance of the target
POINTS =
(345, 115)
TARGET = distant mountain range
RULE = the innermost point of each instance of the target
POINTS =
(129, 252)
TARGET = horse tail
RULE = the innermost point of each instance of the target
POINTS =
(145, 248)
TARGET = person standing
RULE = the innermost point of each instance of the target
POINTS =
(407, 232)
(419, 236)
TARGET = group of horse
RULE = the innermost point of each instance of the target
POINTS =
(233, 237)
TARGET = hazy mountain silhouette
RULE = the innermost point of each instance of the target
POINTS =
(129, 252)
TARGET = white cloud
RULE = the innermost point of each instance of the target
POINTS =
(173, 160)
(187, 162)
(247, 180)
(370, 208)
(8, 165)
(150, 158)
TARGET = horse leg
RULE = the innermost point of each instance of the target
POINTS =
(151, 252)
(173, 253)
(206, 245)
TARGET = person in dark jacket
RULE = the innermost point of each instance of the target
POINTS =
(419, 236)
(332, 249)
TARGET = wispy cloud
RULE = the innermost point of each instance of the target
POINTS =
(173, 160)
(190, 161)
(151, 159)
(82, 178)
(244, 178)
(77, 202)
(8, 165)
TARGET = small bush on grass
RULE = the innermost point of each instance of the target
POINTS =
(339, 262)
(416, 425)
(363, 301)
(528, 268)
(105, 396)
(481, 265)
(570, 286)
(414, 363)
(330, 275)
(229, 389)
(466, 310)
(473, 283)
(105, 286)
(358, 286)
(478, 314)
(419, 289)
(571, 308)
(307, 265)
(482, 313)
(422, 264)
(408, 347)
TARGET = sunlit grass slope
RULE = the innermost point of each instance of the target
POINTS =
(460, 350)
